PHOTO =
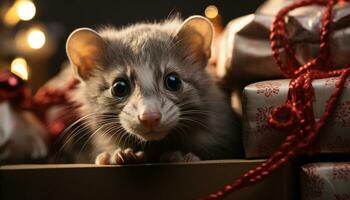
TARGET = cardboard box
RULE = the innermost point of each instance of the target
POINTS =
(151, 181)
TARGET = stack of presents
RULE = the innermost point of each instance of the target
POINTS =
(246, 63)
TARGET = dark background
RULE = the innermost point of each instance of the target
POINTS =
(92, 13)
(58, 18)
(75, 13)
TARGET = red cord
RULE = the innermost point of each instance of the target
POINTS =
(45, 98)
(298, 107)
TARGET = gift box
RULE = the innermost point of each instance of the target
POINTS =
(245, 54)
(23, 137)
(325, 181)
(151, 181)
(261, 140)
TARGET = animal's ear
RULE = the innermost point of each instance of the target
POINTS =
(85, 49)
(196, 34)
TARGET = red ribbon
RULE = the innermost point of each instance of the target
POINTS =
(14, 90)
(297, 115)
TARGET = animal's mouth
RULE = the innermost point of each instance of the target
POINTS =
(149, 134)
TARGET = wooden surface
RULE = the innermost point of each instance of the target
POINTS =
(152, 181)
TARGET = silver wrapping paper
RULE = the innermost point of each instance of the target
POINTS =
(260, 140)
(325, 181)
(22, 137)
(245, 54)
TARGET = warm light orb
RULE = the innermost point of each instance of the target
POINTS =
(20, 68)
(25, 10)
(211, 12)
(36, 39)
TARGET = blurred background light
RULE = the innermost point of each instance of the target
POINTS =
(211, 11)
(25, 10)
(19, 67)
(36, 30)
(36, 38)
(20, 10)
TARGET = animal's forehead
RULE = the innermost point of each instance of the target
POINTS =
(143, 44)
(146, 78)
(138, 53)
(144, 61)
(143, 71)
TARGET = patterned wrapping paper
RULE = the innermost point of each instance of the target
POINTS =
(325, 181)
(245, 54)
(260, 139)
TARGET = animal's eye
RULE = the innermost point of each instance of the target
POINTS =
(172, 82)
(120, 88)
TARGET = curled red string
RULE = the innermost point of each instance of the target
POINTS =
(297, 115)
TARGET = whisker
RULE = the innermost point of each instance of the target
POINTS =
(94, 133)
(194, 121)
(105, 133)
(85, 131)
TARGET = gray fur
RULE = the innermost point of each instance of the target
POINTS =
(144, 53)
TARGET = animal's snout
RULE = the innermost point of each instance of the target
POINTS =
(150, 118)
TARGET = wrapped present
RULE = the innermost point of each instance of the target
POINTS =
(29, 123)
(245, 55)
(23, 137)
(300, 108)
(325, 181)
(261, 140)
(60, 112)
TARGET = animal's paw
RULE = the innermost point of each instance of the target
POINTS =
(121, 157)
(178, 156)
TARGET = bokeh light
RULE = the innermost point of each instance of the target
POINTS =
(211, 12)
(20, 68)
(25, 10)
(20, 10)
(36, 39)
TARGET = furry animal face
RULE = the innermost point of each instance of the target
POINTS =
(147, 80)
